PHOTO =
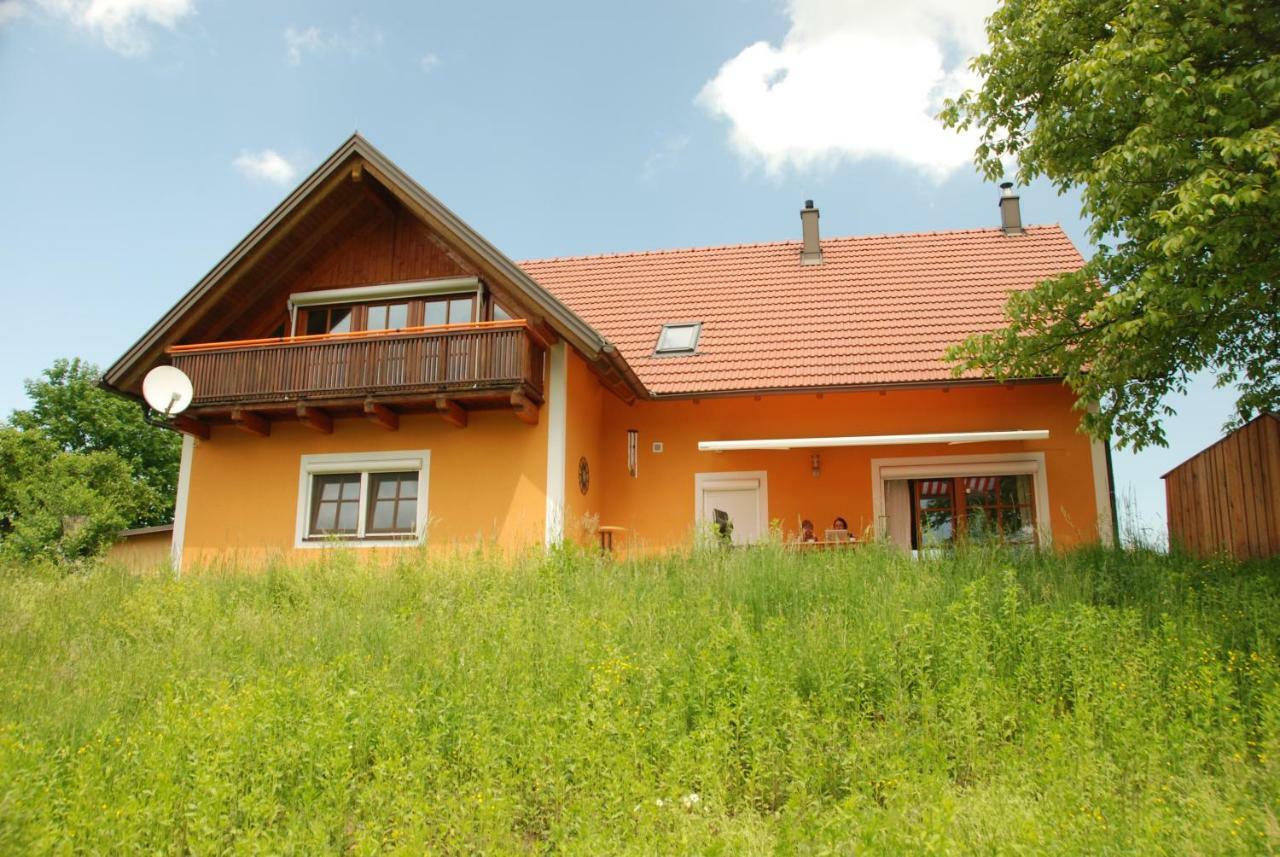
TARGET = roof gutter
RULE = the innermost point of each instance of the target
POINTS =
(620, 365)
(850, 388)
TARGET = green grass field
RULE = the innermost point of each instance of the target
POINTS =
(755, 702)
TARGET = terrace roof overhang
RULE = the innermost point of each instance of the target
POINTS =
(950, 438)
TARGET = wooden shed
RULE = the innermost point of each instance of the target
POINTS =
(142, 549)
(1226, 498)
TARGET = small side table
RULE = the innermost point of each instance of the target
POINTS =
(606, 536)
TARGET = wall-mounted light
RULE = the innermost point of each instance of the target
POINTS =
(633, 452)
(815, 464)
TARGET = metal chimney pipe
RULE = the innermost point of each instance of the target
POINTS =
(811, 252)
(1010, 210)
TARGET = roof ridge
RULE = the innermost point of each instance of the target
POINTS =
(667, 251)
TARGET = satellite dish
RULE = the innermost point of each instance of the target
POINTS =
(167, 389)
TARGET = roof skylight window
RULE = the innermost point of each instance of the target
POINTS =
(679, 338)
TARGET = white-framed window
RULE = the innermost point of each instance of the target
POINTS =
(679, 338)
(363, 499)
(896, 493)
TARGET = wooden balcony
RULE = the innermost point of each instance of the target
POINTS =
(449, 369)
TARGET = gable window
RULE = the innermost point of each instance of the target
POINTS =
(334, 319)
(679, 338)
(365, 499)
(392, 316)
(394, 306)
(449, 309)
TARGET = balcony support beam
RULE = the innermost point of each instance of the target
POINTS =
(191, 426)
(451, 411)
(316, 419)
(381, 415)
(251, 422)
(525, 410)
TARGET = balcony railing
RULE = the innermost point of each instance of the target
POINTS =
(497, 356)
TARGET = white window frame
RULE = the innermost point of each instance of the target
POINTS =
(692, 349)
(946, 466)
(363, 463)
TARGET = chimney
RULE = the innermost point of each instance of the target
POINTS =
(1010, 210)
(811, 253)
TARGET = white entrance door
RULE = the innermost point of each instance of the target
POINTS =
(741, 498)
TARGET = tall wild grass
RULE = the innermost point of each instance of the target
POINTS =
(716, 702)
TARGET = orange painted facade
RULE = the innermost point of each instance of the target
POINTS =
(657, 506)
(487, 482)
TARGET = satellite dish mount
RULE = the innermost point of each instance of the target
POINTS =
(167, 390)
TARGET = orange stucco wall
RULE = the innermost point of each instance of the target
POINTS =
(584, 432)
(487, 482)
(658, 506)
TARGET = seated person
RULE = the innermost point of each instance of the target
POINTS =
(806, 531)
(839, 531)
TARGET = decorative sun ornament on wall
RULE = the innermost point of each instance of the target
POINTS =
(584, 475)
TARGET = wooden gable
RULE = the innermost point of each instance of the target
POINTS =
(357, 220)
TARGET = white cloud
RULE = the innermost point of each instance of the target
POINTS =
(358, 40)
(10, 10)
(664, 156)
(853, 79)
(298, 41)
(123, 25)
(267, 165)
(428, 61)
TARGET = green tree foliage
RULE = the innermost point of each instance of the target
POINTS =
(22, 453)
(64, 505)
(70, 409)
(1165, 116)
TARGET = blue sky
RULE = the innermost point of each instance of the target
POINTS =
(143, 138)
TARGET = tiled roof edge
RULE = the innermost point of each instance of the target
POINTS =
(1043, 227)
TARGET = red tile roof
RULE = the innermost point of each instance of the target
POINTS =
(879, 310)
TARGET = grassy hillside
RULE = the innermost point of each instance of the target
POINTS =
(752, 702)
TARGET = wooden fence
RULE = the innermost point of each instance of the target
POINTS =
(1226, 499)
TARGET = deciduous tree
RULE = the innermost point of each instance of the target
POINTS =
(63, 505)
(1166, 118)
(70, 409)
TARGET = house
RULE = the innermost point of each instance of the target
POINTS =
(369, 370)
(1225, 499)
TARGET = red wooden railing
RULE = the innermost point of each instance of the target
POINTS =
(497, 355)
